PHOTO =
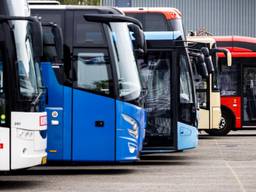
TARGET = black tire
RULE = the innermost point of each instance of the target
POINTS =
(226, 125)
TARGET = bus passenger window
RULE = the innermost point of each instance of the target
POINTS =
(93, 72)
(229, 80)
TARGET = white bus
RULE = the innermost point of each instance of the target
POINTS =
(23, 122)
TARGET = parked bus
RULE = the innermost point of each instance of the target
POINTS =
(208, 89)
(23, 122)
(170, 102)
(157, 19)
(238, 84)
(98, 114)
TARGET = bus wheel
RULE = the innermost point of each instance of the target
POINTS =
(225, 125)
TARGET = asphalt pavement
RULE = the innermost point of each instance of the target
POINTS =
(219, 164)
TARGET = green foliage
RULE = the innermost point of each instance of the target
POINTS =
(80, 2)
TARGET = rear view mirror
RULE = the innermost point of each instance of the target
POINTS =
(52, 41)
(138, 34)
(208, 59)
(200, 64)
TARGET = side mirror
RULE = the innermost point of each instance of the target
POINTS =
(200, 64)
(138, 34)
(52, 41)
(208, 59)
(37, 38)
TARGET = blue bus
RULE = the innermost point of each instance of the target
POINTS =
(95, 96)
(171, 101)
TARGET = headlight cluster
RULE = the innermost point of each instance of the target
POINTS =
(134, 130)
(24, 134)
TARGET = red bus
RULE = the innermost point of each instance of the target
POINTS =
(238, 84)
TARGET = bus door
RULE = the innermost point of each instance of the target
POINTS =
(249, 95)
(93, 108)
(157, 75)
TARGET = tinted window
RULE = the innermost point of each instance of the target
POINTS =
(88, 33)
(151, 21)
(93, 71)
(155, 22)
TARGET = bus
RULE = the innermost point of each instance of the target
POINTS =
(171, 101)
(98, 116)
(170, 19)
(23, 122)
(157, 18)
(238, 84)
(208, 89)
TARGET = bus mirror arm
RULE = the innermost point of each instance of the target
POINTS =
(227, 54)
(108, 18)
(36, 29)
(208, 59)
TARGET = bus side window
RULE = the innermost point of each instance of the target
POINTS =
(229, 80)
(93, 72)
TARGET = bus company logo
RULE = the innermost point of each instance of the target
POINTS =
(43, 120)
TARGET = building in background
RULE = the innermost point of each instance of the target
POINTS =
(219, 17)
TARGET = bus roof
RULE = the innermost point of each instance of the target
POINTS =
(169, 12)
(38, 2)
(239, 46)
(75, 7)
(237, 43)
(202, 39)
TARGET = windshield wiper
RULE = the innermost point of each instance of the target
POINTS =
(37, 98)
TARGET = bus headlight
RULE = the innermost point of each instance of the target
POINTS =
(134, 130)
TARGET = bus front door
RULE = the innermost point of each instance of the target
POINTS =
(249, 96)
(93, 107)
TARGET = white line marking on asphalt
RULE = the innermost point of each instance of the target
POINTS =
(230, 168)
(236, 177)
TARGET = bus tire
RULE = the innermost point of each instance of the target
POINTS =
(226, 124)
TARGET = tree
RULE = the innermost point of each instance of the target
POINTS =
(80, 2)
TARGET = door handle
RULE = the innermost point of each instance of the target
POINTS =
(99, 123)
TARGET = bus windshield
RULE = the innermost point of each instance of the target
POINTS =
(156, 74)
(127, 71)
(29, 80)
